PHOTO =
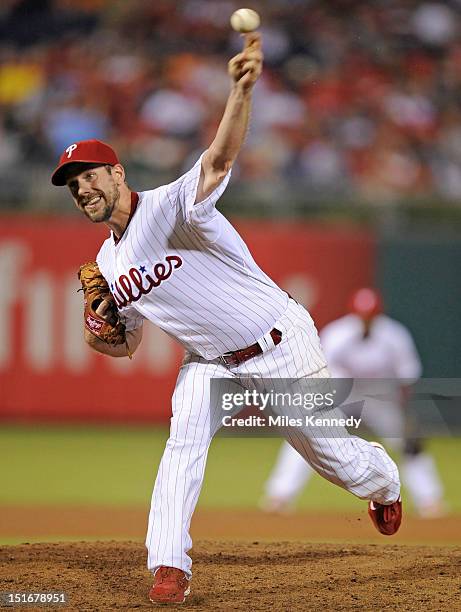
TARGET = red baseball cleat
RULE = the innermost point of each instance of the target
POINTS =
(170, 586)
(386, 519)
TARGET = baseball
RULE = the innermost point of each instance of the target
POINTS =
(245, 20)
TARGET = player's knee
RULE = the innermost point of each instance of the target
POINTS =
(180, 443)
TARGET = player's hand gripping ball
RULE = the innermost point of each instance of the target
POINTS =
(100, 311)
(245, 67)
(245, 20)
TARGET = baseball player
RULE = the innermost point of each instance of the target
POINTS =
(368, 344)
(174, 260)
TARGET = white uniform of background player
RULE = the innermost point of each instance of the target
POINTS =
(383, 348)
(175, 261)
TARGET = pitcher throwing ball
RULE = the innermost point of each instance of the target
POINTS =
(172, 259)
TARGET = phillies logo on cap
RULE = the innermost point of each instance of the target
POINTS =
(70, 150)
(85, 152)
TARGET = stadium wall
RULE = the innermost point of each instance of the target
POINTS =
(420, 279)
(48, 373)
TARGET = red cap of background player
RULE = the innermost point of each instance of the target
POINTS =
(85, 151)
(366, 303)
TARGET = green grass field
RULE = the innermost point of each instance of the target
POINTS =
(117, 466)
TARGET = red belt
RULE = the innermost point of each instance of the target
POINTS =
(235, 358)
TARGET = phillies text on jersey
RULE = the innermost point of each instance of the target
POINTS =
(184, 267)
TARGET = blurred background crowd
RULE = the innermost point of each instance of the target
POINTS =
(360, 101)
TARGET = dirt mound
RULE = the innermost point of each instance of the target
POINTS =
(235, 576)
(106, 523)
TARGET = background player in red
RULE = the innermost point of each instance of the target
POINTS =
(368, 344)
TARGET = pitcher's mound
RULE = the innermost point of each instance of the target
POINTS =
(250, 576)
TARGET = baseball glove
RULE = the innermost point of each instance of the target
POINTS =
(107, 328)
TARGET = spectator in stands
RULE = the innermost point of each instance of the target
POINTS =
(360, 99)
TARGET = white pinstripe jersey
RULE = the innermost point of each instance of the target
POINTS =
(185, 268)
(387, 352)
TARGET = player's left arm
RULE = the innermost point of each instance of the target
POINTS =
(133, 340)
(244, 70)
(407, 362)
(123, 349)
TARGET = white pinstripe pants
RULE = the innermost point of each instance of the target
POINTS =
(348, 461)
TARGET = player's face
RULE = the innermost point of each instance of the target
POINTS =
(95, 193)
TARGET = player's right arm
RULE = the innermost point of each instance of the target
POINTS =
(198, 190)
(244, 69)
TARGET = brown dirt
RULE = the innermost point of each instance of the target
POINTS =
(361, 571)
(235, 576)
(29, 524)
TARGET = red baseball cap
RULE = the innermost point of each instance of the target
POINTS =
(366, 303)
(85, 152)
